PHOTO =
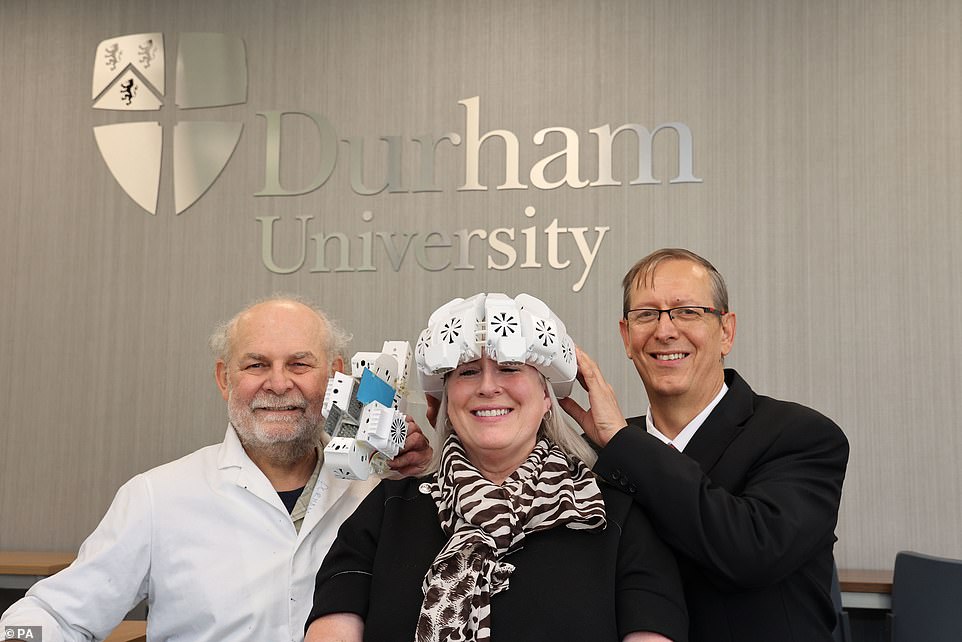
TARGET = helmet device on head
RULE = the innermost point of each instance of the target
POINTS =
(518, 330)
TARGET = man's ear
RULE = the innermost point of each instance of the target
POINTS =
(337, 365)
(728, 333)
(220, 376)
(623, 328)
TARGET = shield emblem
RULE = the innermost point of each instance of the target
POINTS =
(129, 75)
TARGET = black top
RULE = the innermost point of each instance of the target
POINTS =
(750, 509)
(290, 497)
(567, 584)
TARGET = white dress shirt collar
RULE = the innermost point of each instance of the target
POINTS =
(682, 439)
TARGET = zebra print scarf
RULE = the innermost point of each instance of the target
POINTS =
(485, 522)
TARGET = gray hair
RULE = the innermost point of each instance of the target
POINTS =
(337, 338)
(642, 272)
(553, 426)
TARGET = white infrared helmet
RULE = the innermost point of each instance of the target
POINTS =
(518, 330)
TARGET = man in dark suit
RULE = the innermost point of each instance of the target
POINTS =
(744, 488)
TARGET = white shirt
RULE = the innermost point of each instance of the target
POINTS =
(681, 439)
(208, 542)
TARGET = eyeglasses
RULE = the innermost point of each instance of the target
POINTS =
(686, 314)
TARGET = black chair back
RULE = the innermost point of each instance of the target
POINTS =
(843, 631)
(926, 599)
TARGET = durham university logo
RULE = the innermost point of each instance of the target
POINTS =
(129, 75)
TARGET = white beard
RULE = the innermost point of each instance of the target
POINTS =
(284, 439)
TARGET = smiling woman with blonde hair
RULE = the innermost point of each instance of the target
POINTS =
(510, 536)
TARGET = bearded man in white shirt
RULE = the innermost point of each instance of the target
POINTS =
(225, 542)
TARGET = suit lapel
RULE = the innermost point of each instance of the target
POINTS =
(723, 425)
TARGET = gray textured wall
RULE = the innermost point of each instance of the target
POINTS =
(828, 135)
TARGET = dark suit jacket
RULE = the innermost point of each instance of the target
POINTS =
(750, 509)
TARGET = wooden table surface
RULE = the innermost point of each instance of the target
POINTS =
(129, 631)
(854, 580)
(34, 562)
(44, 563)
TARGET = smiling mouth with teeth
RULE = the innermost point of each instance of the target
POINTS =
(491, 413)
(671, 357)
